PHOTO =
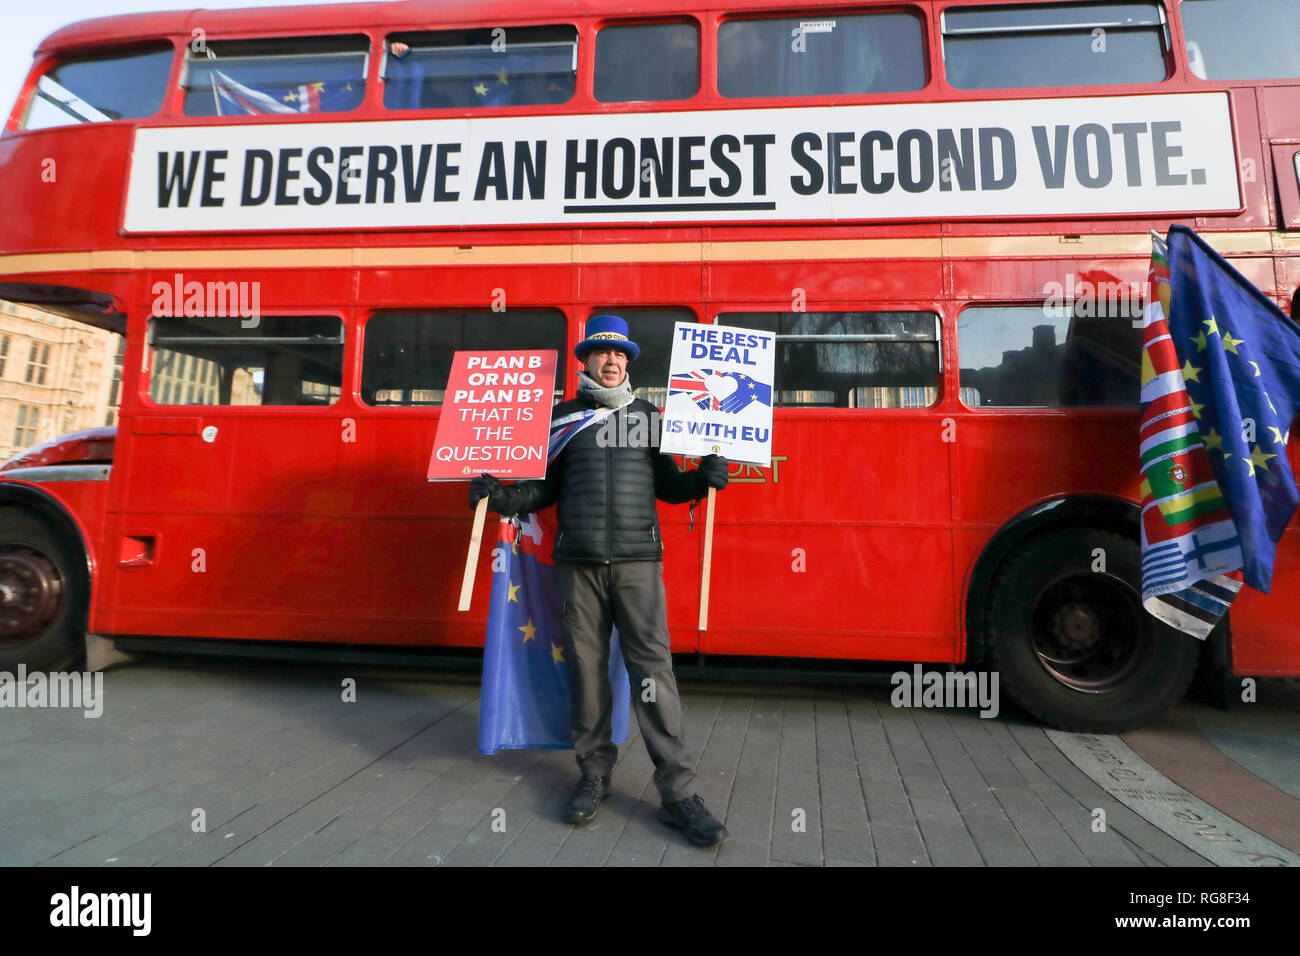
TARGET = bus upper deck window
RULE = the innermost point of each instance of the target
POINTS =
(1077, 44)
(647, 62)
(276, 77)
(1243, 39)
(793, 56)
(95, 89)
(462, 69)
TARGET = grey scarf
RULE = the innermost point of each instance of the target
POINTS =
(615, 396)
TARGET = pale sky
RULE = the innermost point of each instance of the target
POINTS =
(28, 22)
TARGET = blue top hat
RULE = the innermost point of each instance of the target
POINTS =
(605, 331)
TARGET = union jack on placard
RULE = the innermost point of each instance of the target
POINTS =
(694, 384)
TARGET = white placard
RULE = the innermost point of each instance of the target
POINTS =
(1079, 156)
(720, 393)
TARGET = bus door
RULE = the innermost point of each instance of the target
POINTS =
(227, 523)
(841, 548)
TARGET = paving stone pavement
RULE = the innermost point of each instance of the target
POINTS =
(201, 764)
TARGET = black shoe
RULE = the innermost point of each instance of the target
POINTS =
(694, 819)
(584, 803)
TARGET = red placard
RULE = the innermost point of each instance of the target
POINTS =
(496, 416)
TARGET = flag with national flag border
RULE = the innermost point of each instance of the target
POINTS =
(1220, 386)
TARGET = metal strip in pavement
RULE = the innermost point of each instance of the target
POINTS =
(1113, 766)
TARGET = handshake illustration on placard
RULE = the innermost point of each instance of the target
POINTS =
(729, 392)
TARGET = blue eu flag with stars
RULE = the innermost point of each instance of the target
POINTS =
(1242, 368)
(525, 698)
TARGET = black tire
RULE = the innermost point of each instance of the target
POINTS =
(1073, 646)
(42, 597)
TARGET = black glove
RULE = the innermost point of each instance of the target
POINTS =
(713, 469)
(486, 486)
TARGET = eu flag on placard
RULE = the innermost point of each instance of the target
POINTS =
(1220, 388)
(525, 698)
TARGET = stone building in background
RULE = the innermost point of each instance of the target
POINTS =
(56, 376)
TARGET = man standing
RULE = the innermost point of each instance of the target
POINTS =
(608, 568)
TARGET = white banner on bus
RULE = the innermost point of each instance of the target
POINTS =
(719, 402)
(1082, 156)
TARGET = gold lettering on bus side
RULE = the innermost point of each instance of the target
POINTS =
(748, 474)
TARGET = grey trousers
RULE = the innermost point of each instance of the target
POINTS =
(630, 596)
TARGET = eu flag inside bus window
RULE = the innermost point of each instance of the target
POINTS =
(652, 331)
(407, 355)
(647, 62)
(1036, 356)
(1068, 44)
(96, 89)
(462, 69)
(1242, 39)
(279, 360)
(821, 55)
(277, 77)
(851, 359)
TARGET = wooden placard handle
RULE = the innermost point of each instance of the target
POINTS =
(708, 563)
(471, 559)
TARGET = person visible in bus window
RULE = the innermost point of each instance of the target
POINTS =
(608, 558)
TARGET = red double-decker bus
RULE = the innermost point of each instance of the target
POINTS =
(296, 216)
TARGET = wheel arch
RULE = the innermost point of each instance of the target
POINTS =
(59, 518)
(1101, 512)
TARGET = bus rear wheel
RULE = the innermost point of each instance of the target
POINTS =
(39, 599)
(1073, 645)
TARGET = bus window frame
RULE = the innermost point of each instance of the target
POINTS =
(800, 412)
(17, 119)
(1074, 411)
(177, 91)
(566, 365)
(1193, 80)
(588, 312)
(144, 376)
(1177, 68)
(634, 106)
(580, 102)
(922, 93)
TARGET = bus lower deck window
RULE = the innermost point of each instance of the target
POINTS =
(1029, 356)
(407, 354)
(282, 360)
(851, 359)
(652, 329)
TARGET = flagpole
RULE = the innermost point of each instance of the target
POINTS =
(471, 559)
(708, 563)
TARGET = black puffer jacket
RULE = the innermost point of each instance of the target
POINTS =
(605, 483)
